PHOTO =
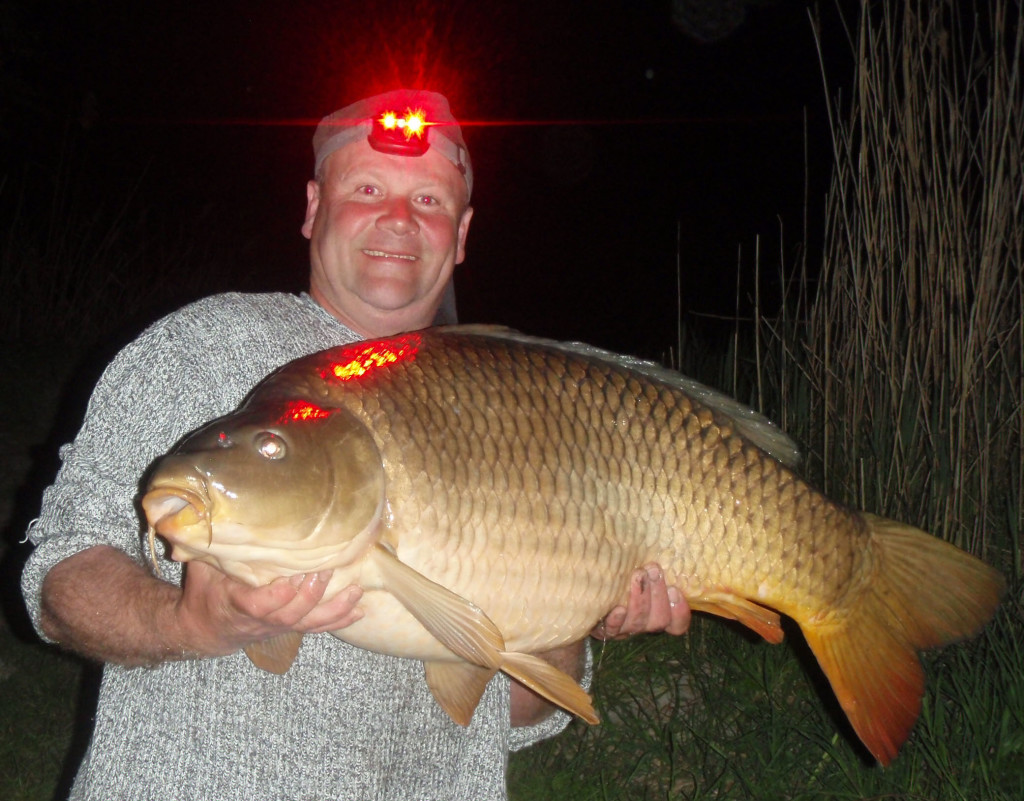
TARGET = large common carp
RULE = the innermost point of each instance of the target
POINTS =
(492, 494)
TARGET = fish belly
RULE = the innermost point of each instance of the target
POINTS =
(387, 627)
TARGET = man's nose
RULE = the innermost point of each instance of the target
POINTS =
(398, 217)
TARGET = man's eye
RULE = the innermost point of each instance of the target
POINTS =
(428, 200)
(367, 189)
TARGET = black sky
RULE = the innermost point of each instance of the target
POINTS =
(203, 115)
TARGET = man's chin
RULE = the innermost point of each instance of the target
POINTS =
(388, 300)
(390, 313)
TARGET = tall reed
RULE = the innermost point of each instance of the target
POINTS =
(76, 268)
(911, 348)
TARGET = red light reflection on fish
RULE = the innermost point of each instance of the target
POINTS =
(362, 360)
(302, 410)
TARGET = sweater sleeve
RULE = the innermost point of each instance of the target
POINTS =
(146, 399)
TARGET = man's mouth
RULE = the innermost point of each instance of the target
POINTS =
(383, 254)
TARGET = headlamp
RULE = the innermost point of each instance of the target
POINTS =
(426, 122)
(402, 135)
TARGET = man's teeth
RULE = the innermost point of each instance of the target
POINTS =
(384, 255)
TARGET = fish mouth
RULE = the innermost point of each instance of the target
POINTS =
(175, 513)
(171, 509)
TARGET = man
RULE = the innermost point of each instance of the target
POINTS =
(182, 712)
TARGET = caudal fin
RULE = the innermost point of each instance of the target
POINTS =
(923, 593)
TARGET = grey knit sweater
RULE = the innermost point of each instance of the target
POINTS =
(342, 723)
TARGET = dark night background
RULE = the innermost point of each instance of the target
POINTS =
(195, 120)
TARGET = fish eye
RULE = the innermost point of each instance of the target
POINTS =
(269, 445)
(223, 440)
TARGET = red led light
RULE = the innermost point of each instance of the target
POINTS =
(302, 410)
(414, 123)
(400, 135)
(358, 361)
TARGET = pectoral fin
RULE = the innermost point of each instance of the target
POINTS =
(457, 686)
(463, 628)
(734, 607)
(460, 625)
(276, 654)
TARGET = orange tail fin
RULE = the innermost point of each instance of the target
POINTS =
(923, 592)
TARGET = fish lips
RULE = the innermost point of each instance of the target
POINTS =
(175, 512)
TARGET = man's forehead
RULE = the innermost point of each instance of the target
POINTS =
(358, 158)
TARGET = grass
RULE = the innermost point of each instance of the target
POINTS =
(912, 346)
(70, 255)
(39, 697)
(754, 721)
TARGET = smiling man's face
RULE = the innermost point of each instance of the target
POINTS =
(385, 233)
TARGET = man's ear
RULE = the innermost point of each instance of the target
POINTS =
(460, 253)
(312, 204)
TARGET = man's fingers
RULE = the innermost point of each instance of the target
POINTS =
(652, 606)
(278, 605)
(224, 615)
(608, 629)
(630, 619)
(659, 614)
(679, 610)
(287, 601)
(638, 606)
(337, 613)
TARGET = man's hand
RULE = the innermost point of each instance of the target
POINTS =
(653, 606)
(219, 615)
(103, 605)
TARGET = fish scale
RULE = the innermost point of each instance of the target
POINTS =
(493, 494)
(497, 479)
(416, 402)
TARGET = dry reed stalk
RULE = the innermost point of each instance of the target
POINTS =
(913, 346)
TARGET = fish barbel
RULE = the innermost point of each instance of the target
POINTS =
(492, 494)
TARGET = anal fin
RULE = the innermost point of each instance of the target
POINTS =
(276, 654)
(758, 618)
